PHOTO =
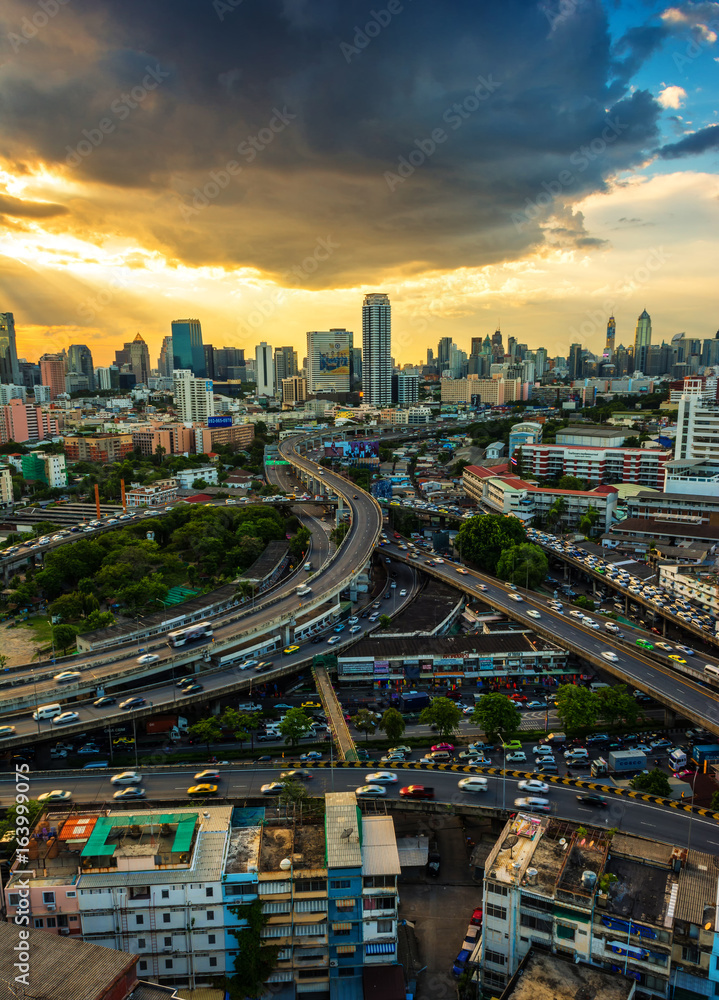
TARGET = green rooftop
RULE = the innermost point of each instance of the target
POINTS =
(98, 846)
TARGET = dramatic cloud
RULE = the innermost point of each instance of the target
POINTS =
(672, 97)
(693, 144)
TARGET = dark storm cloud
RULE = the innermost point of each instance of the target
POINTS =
(179, 86)
(692, 145)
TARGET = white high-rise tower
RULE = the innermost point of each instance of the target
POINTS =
(377, 349)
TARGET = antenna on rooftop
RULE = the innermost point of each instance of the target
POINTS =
(346, 834)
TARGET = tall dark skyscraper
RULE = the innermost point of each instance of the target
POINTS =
(377, 349)
(642, 341)
(9, 369)
(476, 345)
(187, 348)
(165, 362)
(497, 346)
(79, 359)
(444, 349)
(611, 334)
(576, 362)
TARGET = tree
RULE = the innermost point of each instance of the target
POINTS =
(570, 483)
(557, 511)
(240, 724)
(523, 564)
(588, 520)
(577, 707)
(298, 545)
(68, 607)
(207, 731)
(497, 715)
(255, 961)
(655, 782)
(632, 442)
(99, 619)
(714, 804)
(63, 636)
(338, 534)
(392, 724)
(384, 621)
(295, 725)
(617, 705)
(482, 539)
(293, 790)
(199, 484)
(442, 713)
(365, 722)
(584, 602)
(31, 809)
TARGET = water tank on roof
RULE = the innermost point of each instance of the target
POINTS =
(285, 864)
(589, 879)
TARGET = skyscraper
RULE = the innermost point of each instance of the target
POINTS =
(165, 363)
(79, 359)
(540, 361)
(444, 348)
(52, 373)
(328, 361)
(642, 340)
(187, 349)
(377, 349)
(264, 370)
(576, 362)
(497, 347)
(194, 398)
(135, 354)
(9, 370)
(209, 355)
(285, 364)
(611, 333)
(476, 345)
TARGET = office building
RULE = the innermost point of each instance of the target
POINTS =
(475, 345)
(194, 398)
(45, 468)
(264, 370)
(377, 350)
(285, 364)
(355, 367)
(596, 464)
(229, 363)
(52, 374)
(405, 388)
(29, 373)
(236, 437)
(611, 334)
(328, 361)
(79, 360)
(294, 389)
(443, 351)
(642, 341)
(695, 467)
(576, 361)
(107, 378)
(187, 348)
(8, 392)
(134, 358)
(76, 382)
(166, 361)
(9, 369)
(524, 433)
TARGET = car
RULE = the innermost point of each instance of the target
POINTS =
(311, 704)
(466, 754)
(299, 773)
(288, 650)
(533, 614)
(264, 665)
(208, 775)
(533, 786)
(89, 748)
(403, 593)
(136, 702)
(660, 744)
(417, 792)
(516, 597)
(56, 795)
(517, 757)
(449, 747)
(65, 717)
(402, 748)
(107, 699)
(543, 749)
(461, 569)
(664, 645)
(676, 659)
(67, 677)
(533, 804)
(245, 665)
(512, 745)
(193, 689)
(381, 778)
(129, 793)
(370, 791)
(353, 620)
(126, 778)
(312, 755)
(333, 640)
(148, 658)
(480, 747)
(687, 650)
(592, 799)
(473, 784)
(202, 789)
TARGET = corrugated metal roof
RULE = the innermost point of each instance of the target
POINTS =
(412, 851)
(342, 830)
(697, 889)
(60, 968)
(379, 846)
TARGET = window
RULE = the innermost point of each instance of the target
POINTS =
(142, 942)
(168, 942)
(168, 963)
(165, 893)
(283, 906)
(491, 910)
(71, 895)
(340, 883)
(494, 979)
(211, 938)
(537, 904)
(349, 904)
(213, 961)
(536, 923)
(51, 922)
(13, 898)
(39, 922)
(565, 933)
(347, 971)
(689, 953)
(497, 890)
(495, 957)
(310, 885)
(379, 902)
(73, 920)
(384, 926)
(166, 918)
(139, 918)
(143, 965)
(379, 881)
(48, 897)
(209, 891)
(210, 914)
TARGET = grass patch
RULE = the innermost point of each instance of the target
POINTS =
(40, 627)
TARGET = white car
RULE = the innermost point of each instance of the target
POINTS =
(533, 804)
(131, 792)
(473, 784)
(518, 757)
(353, 620)
(533, 786)
(57, 795)
(515, 597)
(542, 749)
(609, 655)
(64, 718)
(355, 628)
(380, 778)
(148, 658)
(126, 778)
(335, 639)
(67, 676)
(403, 593)
(534, 614)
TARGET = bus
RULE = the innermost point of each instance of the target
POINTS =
(193, 633)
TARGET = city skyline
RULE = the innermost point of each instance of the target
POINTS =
(544, 167)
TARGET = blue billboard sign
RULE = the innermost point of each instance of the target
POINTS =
(219, 421)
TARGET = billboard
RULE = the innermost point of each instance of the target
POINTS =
(335, 360)
(219, 421)
(353, 450)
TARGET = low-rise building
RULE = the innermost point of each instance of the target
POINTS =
(186, 477)
(528, 432)
(161, 492)
(692, 583)
(103, 448)
(45, 468)
(698, 508)
(642, 466)
(588, 435)
(639, 535)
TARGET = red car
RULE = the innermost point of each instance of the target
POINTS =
(417, 792)
(443, 746)
(397, 534)
(518, 697)
(477, 917)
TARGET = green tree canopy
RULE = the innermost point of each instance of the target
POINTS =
(570, 483)
(365, 722)
(524, 564)
(617, 705)
(655, 782)
(392, 724)
(442, 713)
(497, 715)
(63, 636)
(207, 730)
(577, 707)
(295, 725)
(483, 539)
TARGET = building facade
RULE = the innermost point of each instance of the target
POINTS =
(194, 397)
(79, 360)
(329, 361)
(285, 364)
(264, 370)
(294, 389)
(187, 349)
(642, 342)
(9, 368)
(377, 350)
(641, 466)
(45, 468)
(103, 448)
(23, 422)
(52, 374)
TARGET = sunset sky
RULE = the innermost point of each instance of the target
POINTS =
(262, 164)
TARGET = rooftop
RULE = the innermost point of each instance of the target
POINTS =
(379, 846)
(548, 977)
(449, 646)
(594, 431)
(344, 845)
(302, 844)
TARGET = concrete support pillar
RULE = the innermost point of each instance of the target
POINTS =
(670, 718)
(287, 632)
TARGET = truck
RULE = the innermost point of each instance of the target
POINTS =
(556, 739)
(308, 567)
(170, 726)
(413, 701)
(677, 758)
(706, 753)
(620, 762)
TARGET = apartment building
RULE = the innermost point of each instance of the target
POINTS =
(24, 422)
(162, 491)
(702, 508)
(186, 477)
(642, 466)
(194, 397)
(103, 448)
(692, 583)
(237, 437)
(6, 492)
(622, 903)
(294, 389)
(45, 468)
(52, 374)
